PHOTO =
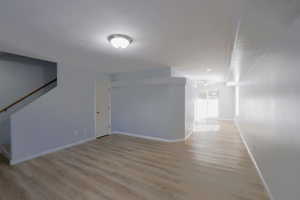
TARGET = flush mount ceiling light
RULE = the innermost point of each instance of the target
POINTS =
(208, 69)
(120, 41)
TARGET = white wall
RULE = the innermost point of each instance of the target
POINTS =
(226, 102)
(66, 115)
(20, 76)
(149, 107)
(61, 117)
(142, 74)
(267, 55)
(191, 93)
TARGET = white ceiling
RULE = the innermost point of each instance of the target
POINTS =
(191, 35)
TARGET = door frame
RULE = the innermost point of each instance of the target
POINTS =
(108, 82)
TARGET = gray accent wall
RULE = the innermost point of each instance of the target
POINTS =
(150, 108)
(267, 65)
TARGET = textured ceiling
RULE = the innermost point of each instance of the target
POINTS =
(191, 35)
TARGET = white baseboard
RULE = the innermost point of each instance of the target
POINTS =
(17, 161)
(152, 138)
(254, 161)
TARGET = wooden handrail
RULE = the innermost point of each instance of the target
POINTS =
(28, 95)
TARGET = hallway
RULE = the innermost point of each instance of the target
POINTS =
(210, 165)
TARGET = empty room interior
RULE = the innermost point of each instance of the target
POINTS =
(149, 100)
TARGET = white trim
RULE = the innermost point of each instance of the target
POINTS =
(16, 161)
(254, 161)
(152, 138)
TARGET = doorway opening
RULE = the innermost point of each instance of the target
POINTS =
(207, 106)
(206, 111)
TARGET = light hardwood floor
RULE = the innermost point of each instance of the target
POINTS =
(210, 165)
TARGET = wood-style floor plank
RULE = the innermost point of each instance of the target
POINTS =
(210, 165)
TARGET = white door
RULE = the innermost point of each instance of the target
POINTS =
(103, 124)
(207, 106)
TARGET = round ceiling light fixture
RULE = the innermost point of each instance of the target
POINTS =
(120, 41)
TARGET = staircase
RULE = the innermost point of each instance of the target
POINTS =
(21, 100)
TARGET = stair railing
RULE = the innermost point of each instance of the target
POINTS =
(27, 96)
